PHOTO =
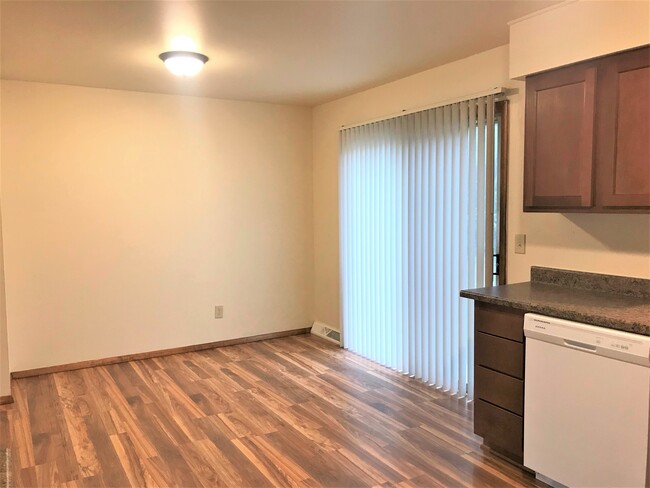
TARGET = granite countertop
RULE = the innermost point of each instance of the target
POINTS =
(607, 301)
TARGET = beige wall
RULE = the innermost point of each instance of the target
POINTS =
(5, 388)
(574, 31)
(129, 216)
(618, 244)
(5, 381)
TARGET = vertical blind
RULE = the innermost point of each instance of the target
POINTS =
(416, 200)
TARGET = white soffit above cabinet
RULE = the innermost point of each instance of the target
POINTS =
(576, 30)
(303, 52)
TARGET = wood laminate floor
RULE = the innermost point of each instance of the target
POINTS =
(295, 411)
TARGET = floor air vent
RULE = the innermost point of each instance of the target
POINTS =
(322, 330)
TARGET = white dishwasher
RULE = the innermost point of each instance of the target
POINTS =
(586, 404)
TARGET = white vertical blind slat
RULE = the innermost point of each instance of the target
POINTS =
(416, 199)
(393, 233)
(439, 270)
(489, 188)
(411, 244)
(380, 223)
(464, 226)
(433, 246)
(480, 249)
(371, 248)
(417, 257)
(455, 237)
(403, 255)
(447, 249)
(369, 308)
(426, 324)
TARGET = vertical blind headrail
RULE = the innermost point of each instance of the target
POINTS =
(499, 93)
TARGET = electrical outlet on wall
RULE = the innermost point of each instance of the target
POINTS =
(520, 243)
(218, 312)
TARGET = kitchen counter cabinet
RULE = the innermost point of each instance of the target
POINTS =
(499, 378)
(613, 302)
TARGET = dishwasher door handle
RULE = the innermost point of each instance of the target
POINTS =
(580, 345)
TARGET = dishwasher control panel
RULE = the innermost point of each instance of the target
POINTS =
(632, 348)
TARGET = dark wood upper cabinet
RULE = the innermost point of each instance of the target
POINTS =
(623, 134)
(587, 139)
(559, 138)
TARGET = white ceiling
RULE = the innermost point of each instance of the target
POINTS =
(303, 52)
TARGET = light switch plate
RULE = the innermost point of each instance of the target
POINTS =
(520, 243)
(218, 312)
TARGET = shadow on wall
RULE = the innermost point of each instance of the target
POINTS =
(620, 233)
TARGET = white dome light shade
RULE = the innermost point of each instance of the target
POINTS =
(184, 63)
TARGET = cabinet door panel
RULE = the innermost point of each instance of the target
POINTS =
(559, 138)
(623, 142)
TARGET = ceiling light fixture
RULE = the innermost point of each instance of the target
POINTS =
(184, 63)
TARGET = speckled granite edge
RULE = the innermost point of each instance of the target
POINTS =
(561, 313)
(620, 285)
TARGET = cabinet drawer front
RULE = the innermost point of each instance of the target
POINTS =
(501, 430)
(499, 354)
(499, 321)
(500, 389)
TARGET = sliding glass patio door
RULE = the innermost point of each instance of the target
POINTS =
(417, 222)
